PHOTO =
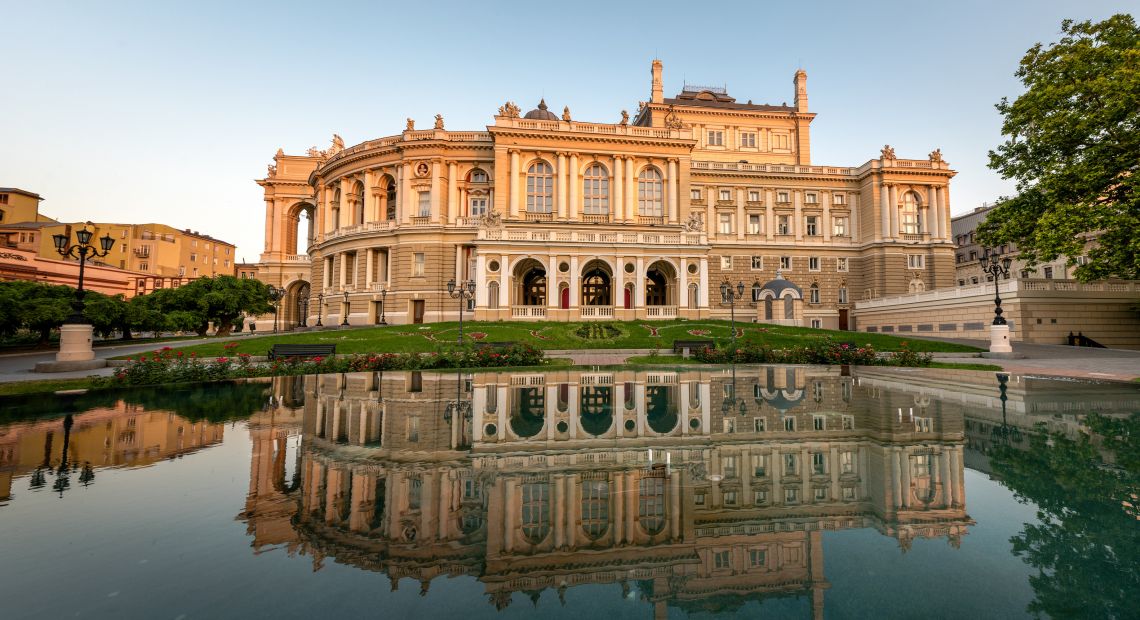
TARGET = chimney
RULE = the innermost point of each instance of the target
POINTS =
(656, 94)
(801, 90)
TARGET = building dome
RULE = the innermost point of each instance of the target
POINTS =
(541, 113)
(779, 285)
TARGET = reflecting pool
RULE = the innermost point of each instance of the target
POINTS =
(779, 491)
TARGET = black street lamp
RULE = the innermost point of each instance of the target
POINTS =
(83, 251)
(303, 302)
(383, 303)
(997, 266)
(465, 291)
(730, 296)
(344, 319)
(320, 308)
(275, 295)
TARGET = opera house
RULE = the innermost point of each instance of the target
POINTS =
(555, 218)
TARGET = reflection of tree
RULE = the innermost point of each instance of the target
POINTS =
(1085, 547)
(213, 402)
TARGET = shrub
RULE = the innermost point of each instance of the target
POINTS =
(825, 351)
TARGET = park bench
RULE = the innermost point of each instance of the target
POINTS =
(300, 350)
(684, 347)
(496, 346)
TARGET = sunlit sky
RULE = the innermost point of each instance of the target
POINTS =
(166, 112)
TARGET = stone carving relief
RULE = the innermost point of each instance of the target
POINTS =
(672, 121)
(694, 223)
(509, 110)
(491, 219)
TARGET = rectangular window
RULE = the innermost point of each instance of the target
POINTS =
(813, 263)
(780, 141)
(760, 497)
(811, 198)
(791, 496)
(724, 221)
(757, 557)
(843, 294)
(818, 459)
(425, 204)
(478, 206)
(730, 498)
(729, 425)
(716, 138)
(839, 226)
(726, 263)
(790, 462)
(144, 266)
(753, 196)
(418, 264)
(758, 426)
(838, 199)
(786, 262)
(757, 263)
(849, 493)
(811, 223)
(478, 176)
(722, 559)
(789, 424)
(726, 195)
(1049, 273)
(748, 140)
(193, 258)
(848, 420)
(817, 323)
(847, 461)
(3, 199)
(782, 224)
(754, 224)
(699, 499)
(782, 197)
(915, 261)
(414, 428)
(813, 297)
(841, 264)
(821, 494)
(695, 194)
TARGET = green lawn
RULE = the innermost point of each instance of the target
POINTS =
(588, 335)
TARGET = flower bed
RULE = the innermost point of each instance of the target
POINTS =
(169, 366)
(826, 351)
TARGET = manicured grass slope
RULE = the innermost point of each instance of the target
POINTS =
(614, 335)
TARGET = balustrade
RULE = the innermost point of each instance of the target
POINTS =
(661, 312)
(528, 312)
(597, 312)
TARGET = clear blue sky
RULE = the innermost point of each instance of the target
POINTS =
(161, 111)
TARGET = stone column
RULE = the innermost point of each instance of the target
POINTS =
(552, 300)
(343, 268)
(560, 187)
(513, 185)
(853, 206)
(703, 292)
(618, 203)
(270, 220)
(504, 282)
(453, 204)
(575, 287)
(572, 208)
(741, 217)
(619, 282)
(798, 214)
(405, 197)
(884, 211)
(480, 281)
(826, 223)
(369, 200)
(436, 203)
(346, 202)
(683, 292)
(639, 283)
(893, 206)
(630, 192)
(769, 216)
(674, 188)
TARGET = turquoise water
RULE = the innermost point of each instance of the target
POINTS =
(758, 491)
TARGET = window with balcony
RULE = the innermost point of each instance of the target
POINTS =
(596, 190)
(540, 188)
(909, 214)
(650, 189)
(477, 205)
(424, 204)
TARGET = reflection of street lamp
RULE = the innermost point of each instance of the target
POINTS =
(997, 266)
(344, 319)
(465, 291)
(458, 412)
(733, 402)
(730, 296)
(75, 334)
(383, 303)
(320, 308)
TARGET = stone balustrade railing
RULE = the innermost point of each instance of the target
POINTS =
(1007, 287)
(578, 236)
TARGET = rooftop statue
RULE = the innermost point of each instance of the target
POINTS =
(887, 152)
(439, 121)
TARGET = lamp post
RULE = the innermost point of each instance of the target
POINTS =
(303, 302)
(458, 415)
(320, 309)
(462, 292)
(730, 296)
(275, 295)
(997, 266)
(732, 402)
(383, 303)
(75, 333)
(344, 318)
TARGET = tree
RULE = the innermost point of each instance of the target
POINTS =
(1074, 148)
(222, 299)
(106, 313)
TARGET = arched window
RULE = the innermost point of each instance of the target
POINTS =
(650, 190)
(493, 295)
(651, 505)
(536, 511)
(768, 308)
(596, 191)
(789, 307)
(756, 288)
(595, 508)
(358, 204)
(540, 188)
(813, 294)
(909, 218)
(390, 196)
(336, 210)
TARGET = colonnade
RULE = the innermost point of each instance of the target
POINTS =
(932, 203)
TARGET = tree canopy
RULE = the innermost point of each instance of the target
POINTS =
(1073, 146)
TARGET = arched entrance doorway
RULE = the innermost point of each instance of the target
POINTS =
(660, 279)
(597, 284)
(295, 241)
(293, 308)
(530, 283)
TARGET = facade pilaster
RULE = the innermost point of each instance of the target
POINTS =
(683, 293)
(741, 217)
(453, 203)
(826, 223)
(703, 293)
(369, 199)
(893, 209)
(619, 282)
(630, 192)
(505, 282)
(575, 277)
(405, 197)
(480, 284)
(436, 203)
(674, 192)
(513, 185)
(573, 208)
(798, 214)
(885, 210)
(346, 202)
(560, 187)
(769, 215)
(618, 200)
(639, 283)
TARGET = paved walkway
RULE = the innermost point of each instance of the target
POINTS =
(1062, 361)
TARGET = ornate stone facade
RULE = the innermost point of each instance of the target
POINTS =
(559, 219)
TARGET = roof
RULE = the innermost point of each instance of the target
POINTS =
(541, 113)
(31, 225)
(716, 97)
(779, 285)
(16, 190)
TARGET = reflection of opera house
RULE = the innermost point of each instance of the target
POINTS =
(703, 490)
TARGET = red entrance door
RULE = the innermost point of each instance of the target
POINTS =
(565, 299)
(628, 299)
